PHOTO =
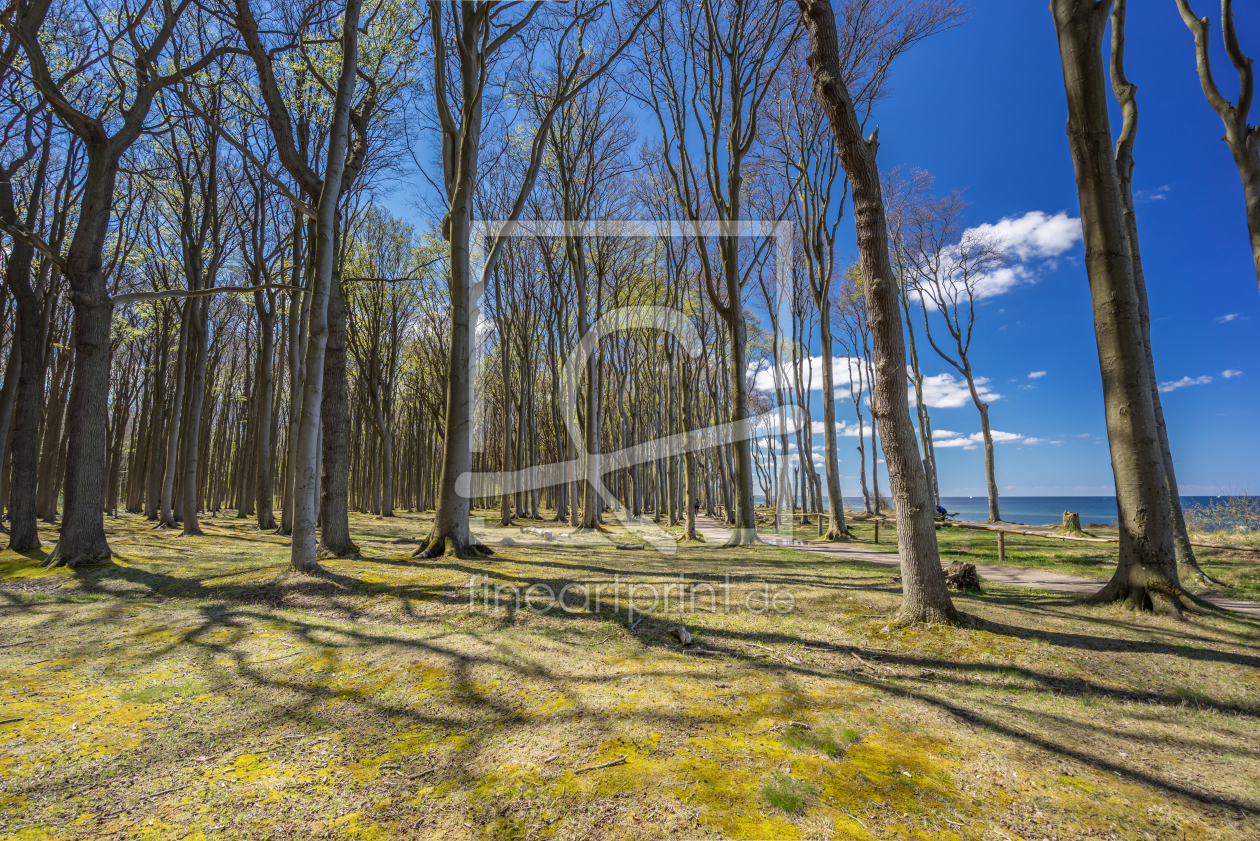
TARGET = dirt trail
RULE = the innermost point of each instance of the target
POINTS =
(1023, 576)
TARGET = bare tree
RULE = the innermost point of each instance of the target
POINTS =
(708, 76)
(469, 40)
(925, 598)
(949, 267)
(1243, 139)
(138, 56)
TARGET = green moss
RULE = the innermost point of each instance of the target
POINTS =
(159, 692)
(785, 792)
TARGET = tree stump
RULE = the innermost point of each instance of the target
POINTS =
(1071, 523)
(963, 577)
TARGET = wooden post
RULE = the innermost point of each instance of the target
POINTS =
(1001, 547)
(877, 531)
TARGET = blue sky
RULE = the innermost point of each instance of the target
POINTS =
(982, 108)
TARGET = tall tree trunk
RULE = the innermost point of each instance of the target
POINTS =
(303, 556)
(334, 489)
(925, 598)
(198, 324)
(1126, 95)
(264, 423)
(1146, 576)
(166, 515)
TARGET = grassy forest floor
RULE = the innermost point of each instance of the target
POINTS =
(197, 689)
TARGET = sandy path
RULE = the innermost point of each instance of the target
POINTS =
(1023, 576)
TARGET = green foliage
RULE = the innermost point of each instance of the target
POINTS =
(788, 793)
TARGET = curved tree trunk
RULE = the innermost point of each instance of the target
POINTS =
(1146, 576)
(1126, 95)
(925, 598)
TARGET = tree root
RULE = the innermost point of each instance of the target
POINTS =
(835, 535)
(743, 537)
(85, 559)
(1157, 597)
(348, 552)
(436, 547)
(951, 616)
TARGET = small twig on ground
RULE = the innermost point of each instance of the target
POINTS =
(11, 644)
(164, 791)
(621, 760)
(426, 772)
(11, 720)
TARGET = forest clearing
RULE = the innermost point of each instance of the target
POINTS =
(199, 689)
(521, 419)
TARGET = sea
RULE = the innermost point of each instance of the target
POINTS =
(1036, 510)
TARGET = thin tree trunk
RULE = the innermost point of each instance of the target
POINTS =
(925, 598)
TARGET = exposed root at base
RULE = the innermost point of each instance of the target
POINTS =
(743, 537)
(437, 547)
(79, 561)
(950, 616)
(1158, 598)
(349, 552)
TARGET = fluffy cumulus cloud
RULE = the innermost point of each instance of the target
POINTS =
(944, 438)
(842, 428)
(1035, 235)
(840, 373)
(1173, 385)
(945, 391)
(1031, 242)
(1230, 374)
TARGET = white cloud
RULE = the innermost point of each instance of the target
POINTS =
(840, 368)
(842, 428)
(943, 438)
(1035, 235)
(945, 391)
(1230, 374)
(1225, 319)
(1036, 375)
(1173, 385)
(1158, 194)
(1034, 440)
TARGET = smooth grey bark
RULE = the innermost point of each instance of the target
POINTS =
(334, 512)
(265, 307)
(304, 550)
(1126, 94)
(24, 381)
(925, 598)
(149, 33)
(1146, 575)
(1243, 139)
(166, 515)
(198, 324)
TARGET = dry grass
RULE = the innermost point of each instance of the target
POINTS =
(195, 689)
